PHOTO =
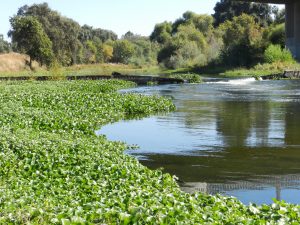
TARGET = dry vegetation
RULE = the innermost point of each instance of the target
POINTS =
(14, 62)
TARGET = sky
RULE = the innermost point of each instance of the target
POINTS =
(120, 16)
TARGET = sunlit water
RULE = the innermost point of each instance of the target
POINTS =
(235, 137)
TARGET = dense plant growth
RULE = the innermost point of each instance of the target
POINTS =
(4, 45)
(55, 170)
(274, 53)
(236, 35)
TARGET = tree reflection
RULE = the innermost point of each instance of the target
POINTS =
(292, 124)
(234, 122)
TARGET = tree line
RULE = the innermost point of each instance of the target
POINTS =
(237, 34)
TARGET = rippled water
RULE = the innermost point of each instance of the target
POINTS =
(235, 137)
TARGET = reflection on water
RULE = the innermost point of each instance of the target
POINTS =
(239, 138)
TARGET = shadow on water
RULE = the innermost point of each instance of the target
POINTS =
(239, 138)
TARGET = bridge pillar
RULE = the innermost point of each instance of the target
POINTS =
(293, 28)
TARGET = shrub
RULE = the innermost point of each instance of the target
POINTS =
(274, 53)
(276, 35)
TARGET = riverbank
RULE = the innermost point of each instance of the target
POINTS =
(60, 73)
(55, 170)
(83, 70)
(255, 71)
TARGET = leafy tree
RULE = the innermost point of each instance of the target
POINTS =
(188, 43)
(129, 36)
(4, 45)
(108, 51)
(243, 41)
(162, 32)
(189, 33)
(122, 52)
(203, 23)
(228, 9)
(62, 31)
(276, 35)
(89, 33)
(279, 16)
(30, 38)
(145, 51)
(90, 52)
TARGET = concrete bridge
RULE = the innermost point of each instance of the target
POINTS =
(278, 182)
(292, 10)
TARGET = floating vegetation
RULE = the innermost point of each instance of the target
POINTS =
(55, 170)
(188, 77)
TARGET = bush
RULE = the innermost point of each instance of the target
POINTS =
(243, 41)
(189, 77)
(274, 53)
(276, 35)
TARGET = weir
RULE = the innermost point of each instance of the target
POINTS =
(292, 10)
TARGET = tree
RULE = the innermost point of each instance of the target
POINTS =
(228, 9)
(108, 51)
(276, 34)
(162, 32)
(129, 36)
(243, 41)
(123, 50)
(63, 32)
(90, 52)
(279, 16)
(4, 45)
(203, 23)
(30, 38)
(145, 51)
(89, 33)
(185, 42)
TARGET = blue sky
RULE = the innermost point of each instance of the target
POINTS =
(120, 16)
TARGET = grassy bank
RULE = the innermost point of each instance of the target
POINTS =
(77, 70)
(258, 70)
(55, 170)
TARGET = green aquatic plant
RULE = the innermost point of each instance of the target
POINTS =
(188, 77)
(55, 170)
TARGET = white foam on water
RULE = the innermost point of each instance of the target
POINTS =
(244, 81)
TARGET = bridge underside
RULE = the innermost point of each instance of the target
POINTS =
(292, 11)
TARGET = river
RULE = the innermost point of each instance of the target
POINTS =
(234, 137)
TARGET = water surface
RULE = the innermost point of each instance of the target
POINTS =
(235, 137)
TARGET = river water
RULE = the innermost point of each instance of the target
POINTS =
(234, 137)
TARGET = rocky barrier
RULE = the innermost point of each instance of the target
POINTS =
(140, 80)
(288, 74)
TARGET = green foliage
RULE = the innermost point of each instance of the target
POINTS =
(279, 16)
(274, 53)
(90, 52)
(228, 9)
(276, 35)
(203, 23)
(243, 41)
(145, 51)
(162, 32)
(4, 45)
(55, 170)
(188, 44)
(188, 77)
(29, 37)
(63, 32)
(95, 47)
(89, 33)
(107, 52)
(123, 50)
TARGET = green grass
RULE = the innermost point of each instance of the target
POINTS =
(258, 70)
(55, 170)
